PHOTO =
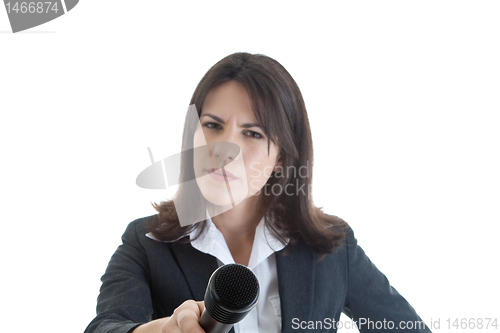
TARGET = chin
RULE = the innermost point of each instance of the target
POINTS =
(220, 197)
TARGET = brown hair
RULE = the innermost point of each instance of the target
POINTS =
(280, 110)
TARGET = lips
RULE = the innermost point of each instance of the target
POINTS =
(219, 173)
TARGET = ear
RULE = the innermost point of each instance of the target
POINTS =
(279, 164)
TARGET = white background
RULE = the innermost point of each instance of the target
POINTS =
(403, 101)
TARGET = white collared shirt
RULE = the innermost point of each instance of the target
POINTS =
(265, 317)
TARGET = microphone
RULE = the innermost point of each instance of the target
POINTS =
(232, 292)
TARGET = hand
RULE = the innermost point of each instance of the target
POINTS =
(185, 318)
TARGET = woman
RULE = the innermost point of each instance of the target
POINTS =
(246, 175)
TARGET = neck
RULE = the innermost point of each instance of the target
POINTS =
(239, 220)
(238, 225)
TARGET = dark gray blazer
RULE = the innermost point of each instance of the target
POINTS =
(146, 279)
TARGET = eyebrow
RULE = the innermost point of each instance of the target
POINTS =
(248, 125)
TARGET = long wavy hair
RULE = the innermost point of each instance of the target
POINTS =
(279, 108)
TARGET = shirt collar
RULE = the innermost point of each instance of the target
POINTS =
(212, 242)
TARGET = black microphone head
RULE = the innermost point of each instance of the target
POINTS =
(232, 291)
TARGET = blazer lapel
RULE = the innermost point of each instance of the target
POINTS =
(295, 279)
(295, 284)
(197, 268)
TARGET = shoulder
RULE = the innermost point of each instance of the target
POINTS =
(343, 228)
(345, 240)
(135, 232)
(342, 235)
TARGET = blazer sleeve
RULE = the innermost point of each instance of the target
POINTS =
(371, 300)
(124, 300)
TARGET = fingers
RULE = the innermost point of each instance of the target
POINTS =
(185, 318)
(201, 305)
(170, 329)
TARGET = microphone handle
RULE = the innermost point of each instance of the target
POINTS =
(210, 325)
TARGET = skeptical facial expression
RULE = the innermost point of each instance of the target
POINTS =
(236, 142)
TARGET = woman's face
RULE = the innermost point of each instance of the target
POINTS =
(235, 142)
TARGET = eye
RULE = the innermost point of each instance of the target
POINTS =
(209, 125)
(254, 135)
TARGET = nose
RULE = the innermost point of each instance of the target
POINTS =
(223, 153)
(223, 144)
